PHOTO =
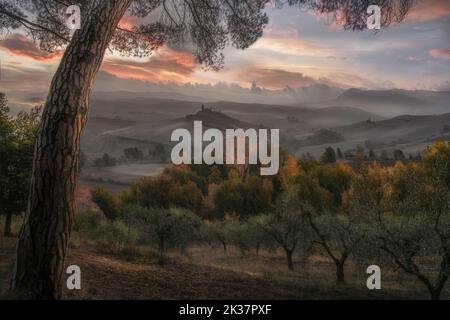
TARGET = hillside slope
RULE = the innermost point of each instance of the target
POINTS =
(144, 121)
(389, 103)
(407, 128)
(107, 277)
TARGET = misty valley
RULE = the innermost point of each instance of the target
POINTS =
(146, 124)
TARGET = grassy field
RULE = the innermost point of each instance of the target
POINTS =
(208, 273)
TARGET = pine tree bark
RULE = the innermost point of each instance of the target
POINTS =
(44, 237)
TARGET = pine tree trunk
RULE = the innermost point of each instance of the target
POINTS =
(44, 237)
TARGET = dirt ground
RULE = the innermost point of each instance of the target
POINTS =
(109, 277)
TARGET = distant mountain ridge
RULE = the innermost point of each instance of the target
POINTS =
(385, 96)
(393, 102)
(405, 128)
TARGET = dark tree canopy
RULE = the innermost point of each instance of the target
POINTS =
(206, 26)
(17, 137)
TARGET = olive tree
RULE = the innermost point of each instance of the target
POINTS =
(286, 225)
(407, 215)
(335, 226)
(167, 228)
(216, 232)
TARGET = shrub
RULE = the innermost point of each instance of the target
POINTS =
(106, 202)
(168, 228)
(108, 236)
(87, 222)
(217, 233)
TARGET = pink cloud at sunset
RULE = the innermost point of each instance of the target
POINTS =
(274, 78)
(289, 42)
(440, 53)
(429, 10)
(21, 46)
(164, 65)
(298, 48)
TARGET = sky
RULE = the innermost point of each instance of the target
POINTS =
(298, 49)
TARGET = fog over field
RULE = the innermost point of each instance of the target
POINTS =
(381, 121)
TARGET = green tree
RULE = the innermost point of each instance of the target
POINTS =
(318, 193)
(286, 225)
(399, 155)
(105, 161)
(407, 215)
(244, 197)
(17, 138)
(247, 235)
(168, 228)
(164, 191)
(106, 203)
(217, 232)
(133, 154)
(329, 156)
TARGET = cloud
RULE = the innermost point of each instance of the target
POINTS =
(335, 58)
(444, 86)
(208, 92)
(165, 65)
(413, 58)
(276, 78)
(21, 46)
(24, 86)
(440, 53)
(16, 76)
(429, 10)
(128, 22)
(352, 80)
(288, 41)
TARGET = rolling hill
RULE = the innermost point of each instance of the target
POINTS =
(409, 133)
(406, 128)
(390, 103)
(138, 122)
